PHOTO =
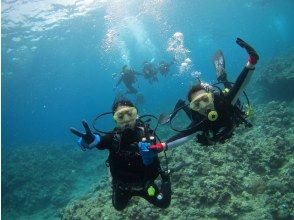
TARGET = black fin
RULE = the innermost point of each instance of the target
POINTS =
(220, 65)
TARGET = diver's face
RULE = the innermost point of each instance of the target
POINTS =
(201, 101)
(125, 117)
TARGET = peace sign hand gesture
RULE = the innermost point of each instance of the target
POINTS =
(86, 140)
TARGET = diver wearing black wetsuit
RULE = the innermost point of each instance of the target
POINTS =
(130, 177)
(217, 123)
(128, 77)
(164, 67)
(149, 72)
(133, 166)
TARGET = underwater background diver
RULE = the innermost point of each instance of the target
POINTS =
(149, 72)
(133, 164)
(215, 113)
(128, 77)
(164, 67)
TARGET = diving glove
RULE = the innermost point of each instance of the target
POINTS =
(253, 56)
(86, 140)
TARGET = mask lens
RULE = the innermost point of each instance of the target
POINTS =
(120, 116)
(195, 104)
(131, 114)
(205, 98)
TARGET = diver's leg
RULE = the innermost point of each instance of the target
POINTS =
(120, 198)
(165, 188)
(162, 196)
(219, 65)
(131, 89)
(227, 84)
(246, 73)
(220, 69)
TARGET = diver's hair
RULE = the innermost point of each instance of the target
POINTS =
(121, 102)
(194, 89)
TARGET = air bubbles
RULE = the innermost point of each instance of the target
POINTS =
(196, 74)
(179, 51)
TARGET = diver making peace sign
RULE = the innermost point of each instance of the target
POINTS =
(133, 164)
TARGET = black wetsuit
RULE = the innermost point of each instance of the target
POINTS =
(129, 78)
(150, 72)
(229, 116)
(130, 177)
(164, 68)
(209, 131)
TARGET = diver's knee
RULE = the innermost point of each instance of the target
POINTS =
(119, 207)
(119, 202)
(164, 204)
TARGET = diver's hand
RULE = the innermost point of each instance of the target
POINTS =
(253, 56)
(147, 154)
(86, 140)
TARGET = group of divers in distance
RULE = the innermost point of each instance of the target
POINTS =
(150, 70)
(214, 111)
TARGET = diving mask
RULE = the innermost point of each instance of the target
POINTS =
(201, 101)
(125, 115)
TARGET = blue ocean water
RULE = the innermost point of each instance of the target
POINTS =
(59, 57)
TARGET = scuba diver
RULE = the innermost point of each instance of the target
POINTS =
(133, 156)
(215, 113)
(164, 67)
(149, 72)
(128, 77)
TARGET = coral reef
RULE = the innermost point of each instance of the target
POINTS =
(39, 177)
(276, 79)
(248, 177)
